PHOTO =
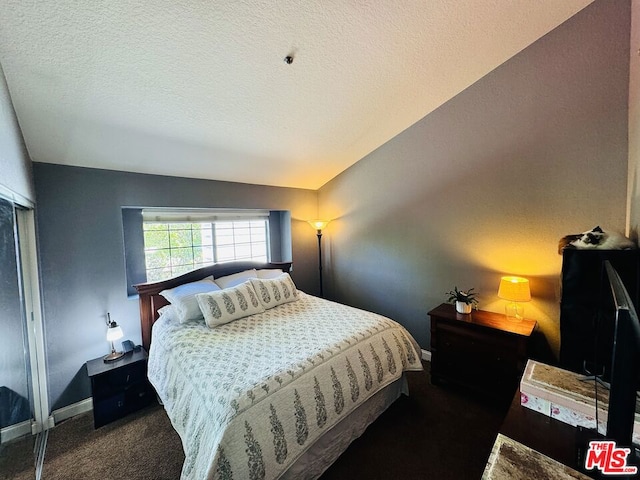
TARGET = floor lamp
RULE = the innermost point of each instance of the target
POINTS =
(319, 225)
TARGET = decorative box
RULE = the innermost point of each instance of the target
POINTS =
(563, 395)
(511, 460)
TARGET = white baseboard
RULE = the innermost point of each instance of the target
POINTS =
(29, 428)
(15, 431)
(426, 355)
(69, 411)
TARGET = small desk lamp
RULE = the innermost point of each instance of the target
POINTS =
(319, 225)
(515, 290)
(114, 332)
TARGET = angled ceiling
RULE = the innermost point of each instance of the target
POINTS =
(200, 89)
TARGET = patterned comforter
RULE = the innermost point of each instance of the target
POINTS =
(249, 397)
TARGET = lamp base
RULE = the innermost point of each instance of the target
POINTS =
(514, 311)
(113, 356)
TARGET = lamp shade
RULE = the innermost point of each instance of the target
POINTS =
(514, 289)
(319, 224)
(114, 332)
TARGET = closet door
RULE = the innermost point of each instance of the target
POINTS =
(16, 402)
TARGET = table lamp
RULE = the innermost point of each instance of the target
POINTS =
(514, 290)
(114, 332)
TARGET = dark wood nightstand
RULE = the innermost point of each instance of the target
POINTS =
(120, 387)
(483, 351)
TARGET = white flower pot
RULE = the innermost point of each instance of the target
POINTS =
(462, 307)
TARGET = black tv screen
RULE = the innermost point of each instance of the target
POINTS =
(624, 364)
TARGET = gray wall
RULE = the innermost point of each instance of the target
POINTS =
(487, 184)
(82, 260)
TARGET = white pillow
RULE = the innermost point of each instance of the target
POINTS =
(183, 298)
(168, 312)
(224, 306)
(275, 291)
(236, 278)
(269, 272)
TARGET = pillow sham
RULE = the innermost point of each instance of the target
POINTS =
(236, 278)
(183, 298)
(275, 291)
(224, 306)
(269, 272)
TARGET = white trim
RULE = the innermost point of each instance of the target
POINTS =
(426, 355)
(15, 431)
(72, 410)
(40, 448)
(15, 197)
(181, 215)
(35, 329)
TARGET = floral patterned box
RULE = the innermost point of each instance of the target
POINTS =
(563, 395)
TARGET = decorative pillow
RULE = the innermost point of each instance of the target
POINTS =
(269, 272)
(183, 298)
(275, 291)
(236, 278)
(230, 304)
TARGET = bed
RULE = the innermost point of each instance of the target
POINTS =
(278, 394)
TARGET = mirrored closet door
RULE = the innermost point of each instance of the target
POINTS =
(21, 418)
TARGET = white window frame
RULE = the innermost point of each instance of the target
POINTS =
(213, 216)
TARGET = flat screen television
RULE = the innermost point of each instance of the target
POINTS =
(625, 364)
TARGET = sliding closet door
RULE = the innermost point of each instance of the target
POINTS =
(16, 402)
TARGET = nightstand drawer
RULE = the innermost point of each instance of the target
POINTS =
(470, 342)
(108, 409)
(111, 408)
(119, 388)
(119, 379)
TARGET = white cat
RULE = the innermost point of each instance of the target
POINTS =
(596, 239)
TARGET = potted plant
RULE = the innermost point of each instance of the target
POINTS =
(463, 300)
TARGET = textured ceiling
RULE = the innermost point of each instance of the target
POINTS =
(199, 88)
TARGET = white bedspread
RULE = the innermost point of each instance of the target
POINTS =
(249, 397)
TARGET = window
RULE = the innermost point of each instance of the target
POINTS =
(172, 248)
(163, 242)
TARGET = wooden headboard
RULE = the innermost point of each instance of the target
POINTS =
(151, 300)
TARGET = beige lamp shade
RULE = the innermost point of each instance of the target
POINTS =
(514, 289)
(319, 224)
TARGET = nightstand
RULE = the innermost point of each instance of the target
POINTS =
(483, 351)
(120, 387)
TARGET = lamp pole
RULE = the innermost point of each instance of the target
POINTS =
(318, 225)
(320, 260)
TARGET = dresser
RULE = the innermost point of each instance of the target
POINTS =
(482, 351)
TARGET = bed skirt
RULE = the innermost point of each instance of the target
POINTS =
(326, 450)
